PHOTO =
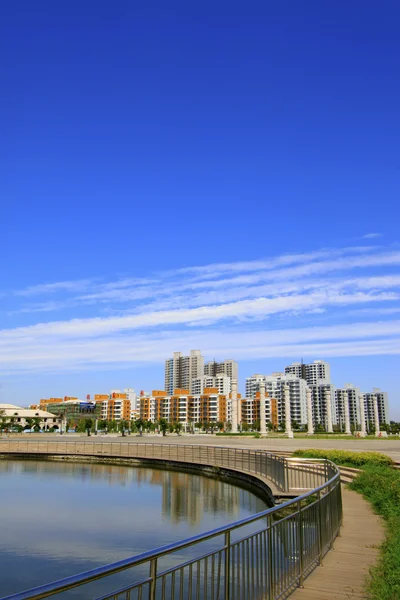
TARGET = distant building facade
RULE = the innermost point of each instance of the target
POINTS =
(351, 394)
(221, 382)
(316, 372)
(383, 407)
(181, 370)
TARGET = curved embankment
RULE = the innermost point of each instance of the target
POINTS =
(265, 555)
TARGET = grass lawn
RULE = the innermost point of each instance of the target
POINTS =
(342, 436)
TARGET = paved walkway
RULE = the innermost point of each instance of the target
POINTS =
(387, 446)
(346, 567)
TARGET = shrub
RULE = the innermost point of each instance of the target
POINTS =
(345, 457)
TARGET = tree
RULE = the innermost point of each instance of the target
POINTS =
(198, 425)
(256, 425)
(122, 426)
(3, 420)
(88, 425)
(178, 428)
(36, 425)
(220, 425)
(29, 423)
(163, 425)
(245, 427)
(139, 425)
(103, 425)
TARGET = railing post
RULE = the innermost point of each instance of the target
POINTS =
(270, 590)
(319, 528)
(227, 565)
(153, 579)
(301, 545)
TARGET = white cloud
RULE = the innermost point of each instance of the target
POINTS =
(50, 288)
(60, 354)
(221, 308)
(371, 236)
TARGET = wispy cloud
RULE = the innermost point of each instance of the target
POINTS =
(371, 236)
(236, 309)
(58, 286)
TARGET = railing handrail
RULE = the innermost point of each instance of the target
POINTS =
(91, 575)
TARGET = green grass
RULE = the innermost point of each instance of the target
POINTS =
(244, 433)
(381, 487)
(342, 436)
(347, 458)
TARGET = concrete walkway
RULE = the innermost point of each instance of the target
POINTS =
(346, 567)
(387, 446)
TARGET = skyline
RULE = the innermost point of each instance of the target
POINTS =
(206, 176)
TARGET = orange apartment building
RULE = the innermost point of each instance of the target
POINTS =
(114, 406)
(182, 407)
(250, 410)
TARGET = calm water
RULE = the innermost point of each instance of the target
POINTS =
(58, 519)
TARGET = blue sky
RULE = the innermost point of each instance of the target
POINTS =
(222, 176)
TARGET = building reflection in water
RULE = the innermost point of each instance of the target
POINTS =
(185, 496)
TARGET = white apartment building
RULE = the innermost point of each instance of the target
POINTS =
(180, 370)
(320, 394)
(383, 408)
(221, 382)
(274, 388)
(253, 383)
(316, 372)
(227, 367)
(132, 396)
(348, 393)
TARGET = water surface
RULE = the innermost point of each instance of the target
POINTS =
(59, 519)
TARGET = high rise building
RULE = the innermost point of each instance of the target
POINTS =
(227, 367)
(316, 372)
(274, 389)
(348, 393)
(321, 394)
(221, 382)
(383, 408)
(180, 370)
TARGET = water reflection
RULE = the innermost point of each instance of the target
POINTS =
(61, 518)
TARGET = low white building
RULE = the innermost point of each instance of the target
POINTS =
(10, 415)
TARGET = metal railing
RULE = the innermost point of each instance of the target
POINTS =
(261, 557)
